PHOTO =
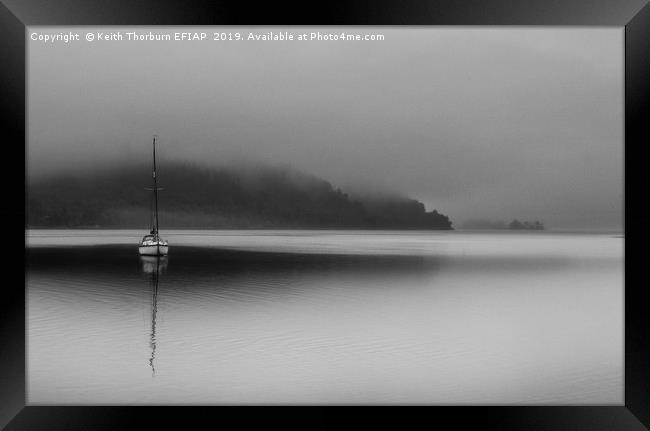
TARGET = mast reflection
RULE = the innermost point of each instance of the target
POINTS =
(153, 265)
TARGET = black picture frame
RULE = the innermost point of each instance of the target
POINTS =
(16, 15)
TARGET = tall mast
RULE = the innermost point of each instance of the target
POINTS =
(155, 189)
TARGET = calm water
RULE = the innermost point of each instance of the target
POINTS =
(325, 317)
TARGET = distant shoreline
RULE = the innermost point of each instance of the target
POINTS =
(243, 228)
(616, 232)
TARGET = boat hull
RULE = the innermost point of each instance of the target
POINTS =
(153, 250)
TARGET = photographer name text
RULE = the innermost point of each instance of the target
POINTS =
(198, 37)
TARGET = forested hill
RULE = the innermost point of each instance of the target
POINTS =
(199, 197)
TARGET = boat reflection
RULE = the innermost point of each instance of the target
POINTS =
(153, 265)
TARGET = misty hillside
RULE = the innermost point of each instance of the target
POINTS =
(199, 197)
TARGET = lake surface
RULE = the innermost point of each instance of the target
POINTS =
(325, 317)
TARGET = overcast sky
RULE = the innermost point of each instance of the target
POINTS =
(475, 122)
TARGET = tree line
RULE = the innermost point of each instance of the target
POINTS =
(200, 197)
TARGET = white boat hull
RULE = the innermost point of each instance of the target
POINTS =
(153, 250)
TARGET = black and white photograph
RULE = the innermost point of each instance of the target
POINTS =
(338, 215)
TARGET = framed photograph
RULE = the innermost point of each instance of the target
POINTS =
(370, 205)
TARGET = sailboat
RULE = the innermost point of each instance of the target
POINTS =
(152, 244)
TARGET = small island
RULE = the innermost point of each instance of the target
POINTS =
(515, 224)
(525, 225)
